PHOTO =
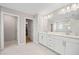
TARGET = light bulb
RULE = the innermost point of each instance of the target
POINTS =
(77, 5)
(63, 11)
(68, 9)
(74, 7)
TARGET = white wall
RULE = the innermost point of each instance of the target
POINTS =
(10, 27)
(75, 26)
(42, 24)
(39, 25)
(22, 21)
(35, 29)
(0, 26)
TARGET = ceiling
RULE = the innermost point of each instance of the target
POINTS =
(34, 8)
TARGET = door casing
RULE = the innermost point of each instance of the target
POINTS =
(2, 27)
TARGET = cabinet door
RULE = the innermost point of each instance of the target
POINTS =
(42, 38)
(72, 47)
(60, 45)
(56, 43)
(50, 41)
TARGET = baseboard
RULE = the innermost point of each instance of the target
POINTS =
(50, 49)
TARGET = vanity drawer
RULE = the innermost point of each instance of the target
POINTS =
(51, 43)
(60, 46)
(72, 47)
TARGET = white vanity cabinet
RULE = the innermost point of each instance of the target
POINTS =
(61, 44)
(50, 41)
(42, 38)
(56, 43)
(53, 42)
(72, 47)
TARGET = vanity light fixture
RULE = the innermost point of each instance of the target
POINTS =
(63, 10)
(68, 9)
(77, 5)
(74, 7)
(69, 27)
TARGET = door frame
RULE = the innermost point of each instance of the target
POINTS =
(25, 28)
(2, 27)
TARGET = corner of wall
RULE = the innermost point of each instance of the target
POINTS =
(0, 26)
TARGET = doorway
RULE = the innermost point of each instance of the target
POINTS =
(29, 31)
(10, 30)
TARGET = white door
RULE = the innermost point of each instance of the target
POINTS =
(42, 39)
(72, 47)
(50, 41)
(60, 44)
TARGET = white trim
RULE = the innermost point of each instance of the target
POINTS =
(18, 29)
(25, 28)
(2, 28)
(2, 32)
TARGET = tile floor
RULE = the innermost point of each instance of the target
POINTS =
(29, 49)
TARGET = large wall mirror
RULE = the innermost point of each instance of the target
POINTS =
(67, 20)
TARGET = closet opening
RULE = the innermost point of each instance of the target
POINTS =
(29, 31)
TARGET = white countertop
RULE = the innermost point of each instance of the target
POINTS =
(64, 34)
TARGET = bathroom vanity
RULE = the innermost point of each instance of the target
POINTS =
(60, 42)
(61, 30)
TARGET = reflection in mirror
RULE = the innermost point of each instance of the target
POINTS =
(67, 20)
(68, 26)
